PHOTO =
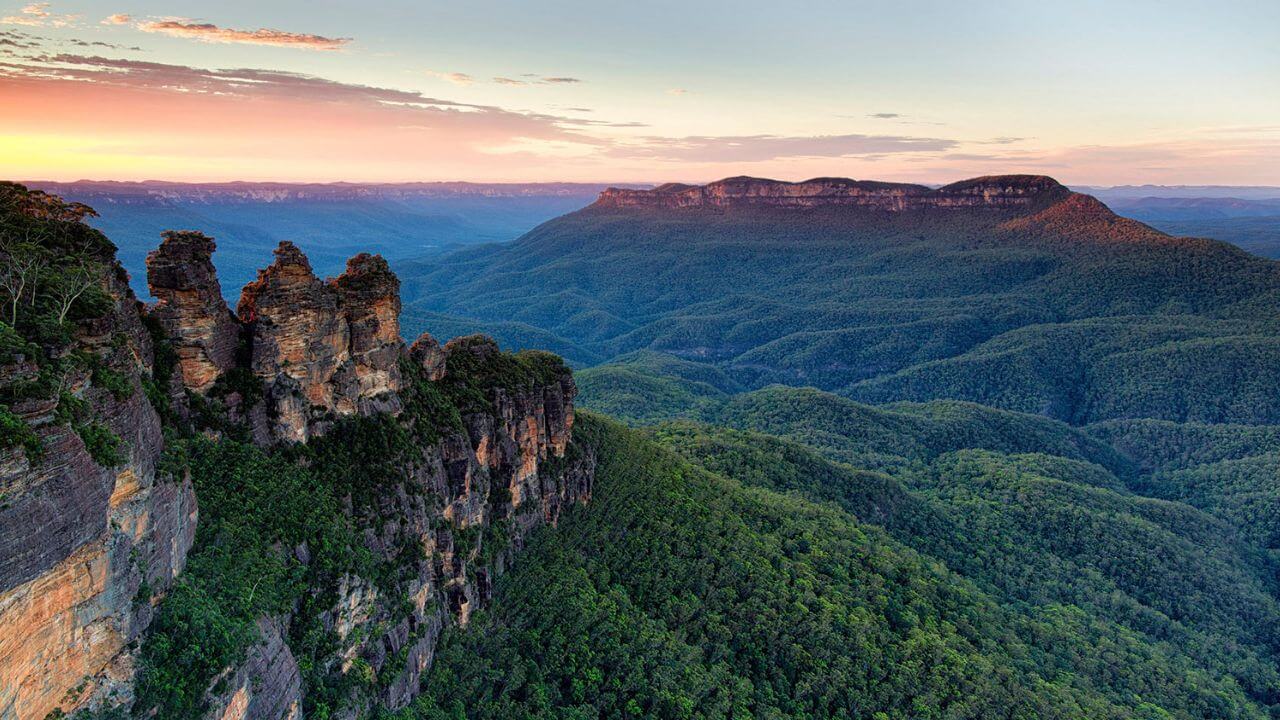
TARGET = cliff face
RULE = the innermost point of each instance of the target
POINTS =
(86, 548)
(98, 510)
(464, 492)
(467, 500)
(994, 192)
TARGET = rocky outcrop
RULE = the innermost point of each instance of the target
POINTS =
(190, 308)
(266, 686)
(428, 354)
(86, 549)
(369, 296)
(470, 490)
(93, 532)
(999, 192)
(322, 350)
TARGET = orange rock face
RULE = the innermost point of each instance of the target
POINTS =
(322, 348)
(190, 307)
(79, 540)
(994, 192)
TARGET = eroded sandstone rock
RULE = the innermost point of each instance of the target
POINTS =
(322, 350)
(191, 309)
(426, 351)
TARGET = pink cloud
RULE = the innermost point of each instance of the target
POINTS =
(208, 32)
(37, 15)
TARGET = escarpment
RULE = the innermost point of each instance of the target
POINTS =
(997, 192)
(417, 472)
(444, 459)
(92, 532)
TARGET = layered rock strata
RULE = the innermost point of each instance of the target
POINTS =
(190, 308)
(319, 350)
(86, 550)
(993, 192)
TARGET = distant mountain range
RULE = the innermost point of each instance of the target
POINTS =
(1110, 193)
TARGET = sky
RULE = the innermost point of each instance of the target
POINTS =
(1099, 93)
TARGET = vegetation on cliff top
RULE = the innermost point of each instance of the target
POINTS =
(54, 276)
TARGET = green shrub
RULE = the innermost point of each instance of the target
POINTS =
(14, 432)
(104, 446)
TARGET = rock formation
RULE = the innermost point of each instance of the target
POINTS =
(993, 192)
(322, 349)
(428, 354)
(369, 295)
(190, 308)
(87, 551)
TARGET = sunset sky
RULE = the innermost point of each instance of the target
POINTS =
(1089, 92)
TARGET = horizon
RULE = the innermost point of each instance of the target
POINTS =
(34, 182)
(292, 93)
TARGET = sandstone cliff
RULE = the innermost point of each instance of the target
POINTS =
(91, 534)
(993, 192)
(440, 461)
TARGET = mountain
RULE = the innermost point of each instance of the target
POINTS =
(1009, 291)
(329, 221)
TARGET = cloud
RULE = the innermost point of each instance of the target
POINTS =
(15, 39)
(33, 14)
(38, 14)
(243, 82)
(757, 148)
(884, 115)
(117, 19)
(208, 32)
(99, 43)
(533, 79)
(456, 78)
(677, 91)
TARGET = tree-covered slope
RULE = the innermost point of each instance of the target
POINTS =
(740, 577)
(1056, 307)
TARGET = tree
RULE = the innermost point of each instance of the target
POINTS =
(67, 284)
(21, 262)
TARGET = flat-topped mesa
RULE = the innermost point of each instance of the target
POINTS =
(322, 349)
(1022, 192)
(190, 308)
